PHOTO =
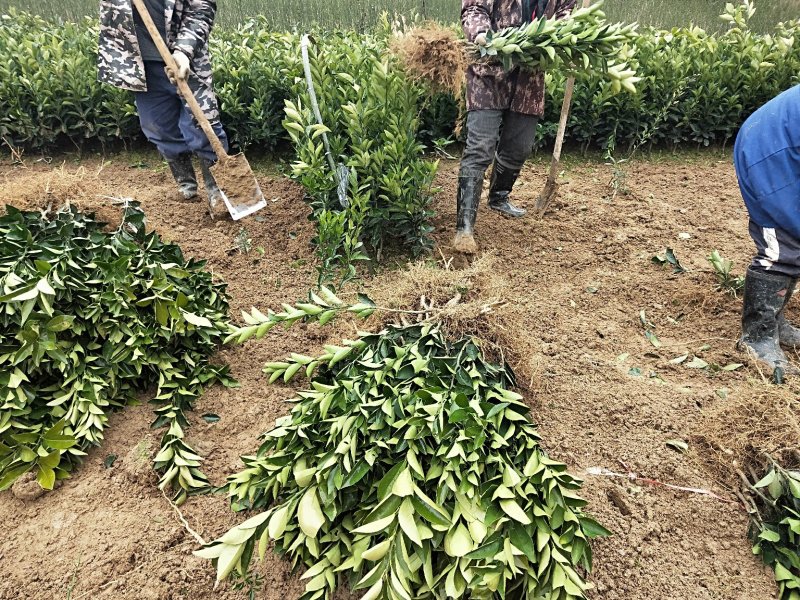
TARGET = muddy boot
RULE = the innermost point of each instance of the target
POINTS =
(788, 334)
(183, 172)
(764, 299)
(503, 180)
(470, 185)
(212, 189)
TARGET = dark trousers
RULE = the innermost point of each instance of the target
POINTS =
(503, 135)
(166, 120)
(777, 251)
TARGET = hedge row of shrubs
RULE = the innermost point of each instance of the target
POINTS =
(697, 87)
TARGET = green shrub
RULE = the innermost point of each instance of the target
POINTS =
(369, 113)
(49, 89)
(253, 73)
(697, 87)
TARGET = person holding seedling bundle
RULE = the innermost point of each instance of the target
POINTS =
(128, 59)
(503, 109)
(767, 161)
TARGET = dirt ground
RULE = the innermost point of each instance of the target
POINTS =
(604, 396)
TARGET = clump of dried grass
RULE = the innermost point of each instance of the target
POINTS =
(744, 432)
(475, 301)
(433, 54)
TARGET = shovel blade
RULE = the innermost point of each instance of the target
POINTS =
(240, 190)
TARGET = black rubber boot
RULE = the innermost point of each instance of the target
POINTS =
(212, 189)
(183, 172)
(764, 299)
(470, 186)
(788, 334)
(503, 181)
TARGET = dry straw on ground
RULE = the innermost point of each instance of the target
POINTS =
(475, 301)
(51, 191)
(743, 432)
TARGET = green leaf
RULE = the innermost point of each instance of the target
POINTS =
(46, 477)
(488, 550)
(513, 510)
(27, 455)
(377, 552)
(197, 320)
(44, 287)
(405, 517)
(593, 529)
(375, 526)
(794, 487)
(387, 482)
(770, 478)
(776, 489)
(732, 367)
(374, 592)
(429, 511)
(26, 292)
(458, 542)
(697, 363)
(524, 543)
(228, 559)
(278, 522)
(357, 474)
(309, 513)
(653, 339)
(678, 445)
(403, 485)
(60, 323)
(782, 573)
(770, 536)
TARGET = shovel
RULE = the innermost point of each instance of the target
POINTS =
(240, 190)
(550, 190)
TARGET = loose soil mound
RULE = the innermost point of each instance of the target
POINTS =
(566, 296)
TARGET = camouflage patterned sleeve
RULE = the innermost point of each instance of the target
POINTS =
(564, 8)
(196, 26)
(476, 17)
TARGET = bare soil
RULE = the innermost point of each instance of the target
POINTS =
(567, 294)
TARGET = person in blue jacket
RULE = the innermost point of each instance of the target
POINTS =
(767, 161)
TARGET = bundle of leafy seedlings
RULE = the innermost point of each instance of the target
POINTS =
(583, 41)
(775, 527)
(88, 320)
(408, 469)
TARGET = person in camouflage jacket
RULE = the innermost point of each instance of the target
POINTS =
(128, 59)
(503, 109)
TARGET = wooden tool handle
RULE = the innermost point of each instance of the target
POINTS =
(562, 126)
(183, 86)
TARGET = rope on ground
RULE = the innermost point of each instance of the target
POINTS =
(603, 472)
